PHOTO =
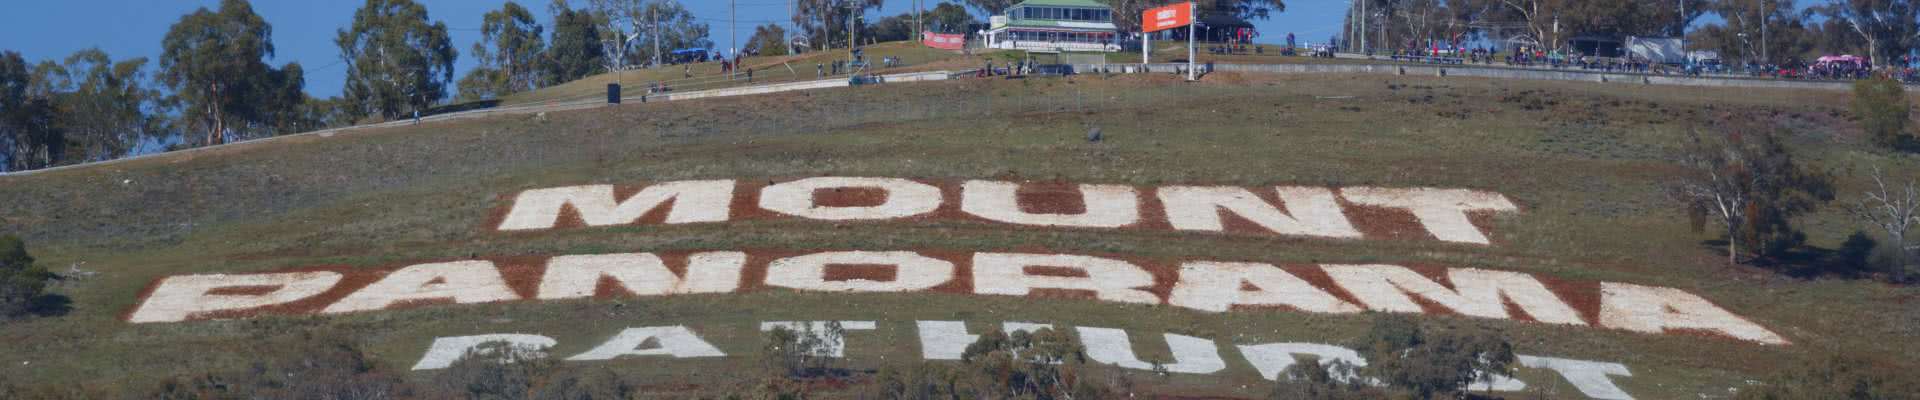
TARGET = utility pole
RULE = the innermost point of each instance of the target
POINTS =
(793, 10)
(655, 21)
(733, 34)
(733, 28)
(1766, 9)
(853, 32)
(1193, 29)
(1363, 25)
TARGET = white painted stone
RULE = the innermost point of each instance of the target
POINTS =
(1590, 377)
(1218, 286)
(944, 340)
(1498, 383)
(1442, 211)
(948, 340)
(641, 274)
(1476, 292)
(1656, 309)
(904, 198)
(834, 346)
(1108, 279)
(1191, 355)
(1028, 327)
(178, 298)
(912, 271)
(1308, 211)
(445, 351)
(465, 282)
(693, 201)
(1107, 206)
(1273, 358)
(675, 341)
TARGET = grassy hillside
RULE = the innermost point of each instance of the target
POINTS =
(1584, 160)
(767, 69)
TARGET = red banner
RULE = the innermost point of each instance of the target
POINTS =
(1168, 17)
(947, 41)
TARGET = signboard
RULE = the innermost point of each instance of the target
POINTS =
(944, 41)
(997, 22)
(1167, 17)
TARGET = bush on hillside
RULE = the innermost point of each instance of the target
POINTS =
(1750, 184)
(1311, 380)
(501, 371)
(21, 281)
(1042, 365)
(1883, 109)
(803, 353)
(323, 364)
(1838, 377)
(1045, 364)
(1855, 256)
(1428, 362)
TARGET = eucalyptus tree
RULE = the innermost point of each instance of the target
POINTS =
(398, 60)
(511, 54)
(214, 61)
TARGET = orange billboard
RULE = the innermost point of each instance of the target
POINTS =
(1167, 17)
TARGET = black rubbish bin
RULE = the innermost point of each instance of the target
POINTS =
(613, 93)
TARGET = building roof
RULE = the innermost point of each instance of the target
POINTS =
(1047, 23)
(1063, 3)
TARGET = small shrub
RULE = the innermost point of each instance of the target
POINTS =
(21, 281)
(1429, 362)
(1883, 109)
(498, 371)
(1855, 255)
(1838, 377)
(1045, 364)
(802, 354)
(1311, 380)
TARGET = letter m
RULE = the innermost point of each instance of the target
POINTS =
(692, 201)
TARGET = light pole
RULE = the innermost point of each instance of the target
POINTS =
(1193, 29)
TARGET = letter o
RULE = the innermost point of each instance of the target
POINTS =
(912, 271)
(905, 198)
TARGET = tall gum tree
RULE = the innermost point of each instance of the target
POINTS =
(214, 62)
(398, 60)
(511, 53)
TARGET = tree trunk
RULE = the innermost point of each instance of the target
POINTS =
(1733, 246)
(1900, 257)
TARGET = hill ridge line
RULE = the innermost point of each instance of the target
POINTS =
(515, 110)
(1474, 71)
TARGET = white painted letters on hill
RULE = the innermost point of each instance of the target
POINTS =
(1309, 212)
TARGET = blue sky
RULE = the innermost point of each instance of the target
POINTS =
(303, 30)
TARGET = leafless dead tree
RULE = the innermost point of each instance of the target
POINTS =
(1893, 211)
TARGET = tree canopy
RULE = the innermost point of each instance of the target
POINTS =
(398, 61)
(628, 30)
(574, 50)
(767, 40)
(214, 62)
(511, 54)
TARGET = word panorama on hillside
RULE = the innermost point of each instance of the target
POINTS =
(1202, 285)
(948, 340)
(1209, 286)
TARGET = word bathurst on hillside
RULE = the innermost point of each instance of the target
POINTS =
(948, 341)
(1203, 285)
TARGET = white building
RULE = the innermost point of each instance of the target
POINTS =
(1054, 25)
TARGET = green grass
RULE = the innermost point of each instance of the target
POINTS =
(767, 69)
(1586, 167)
